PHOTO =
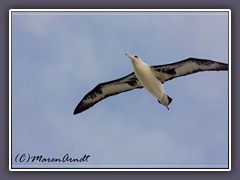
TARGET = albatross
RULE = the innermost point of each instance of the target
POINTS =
(149, 77)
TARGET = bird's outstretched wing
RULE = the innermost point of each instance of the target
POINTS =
(104, 90)
(185, 67)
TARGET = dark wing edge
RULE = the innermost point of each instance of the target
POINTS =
(185, 67)
(107, 89)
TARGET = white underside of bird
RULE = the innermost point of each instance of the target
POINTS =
(148, 79)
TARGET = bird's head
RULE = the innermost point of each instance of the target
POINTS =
(133, 57)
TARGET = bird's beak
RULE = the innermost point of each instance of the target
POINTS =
(130, 56)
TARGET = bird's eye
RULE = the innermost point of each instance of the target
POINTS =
(136, 56)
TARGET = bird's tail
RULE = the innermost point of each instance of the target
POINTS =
(166, 100)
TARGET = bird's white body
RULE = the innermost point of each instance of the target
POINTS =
(149, 80)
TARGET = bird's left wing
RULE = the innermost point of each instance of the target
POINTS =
(185, 67)
(104, 90)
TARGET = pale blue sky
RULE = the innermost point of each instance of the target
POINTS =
(58, 57)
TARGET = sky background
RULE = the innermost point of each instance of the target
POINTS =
(58, 57)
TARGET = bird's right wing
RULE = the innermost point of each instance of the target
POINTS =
(104, 90)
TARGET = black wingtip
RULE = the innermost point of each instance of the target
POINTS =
(75, 112)
(225, 67)
(78, 110)
(81, 107)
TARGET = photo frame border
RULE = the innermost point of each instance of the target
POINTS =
(120, 169)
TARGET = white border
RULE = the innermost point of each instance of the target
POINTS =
(229, 90)
(117, 10)
(10, 92)
(122, 10)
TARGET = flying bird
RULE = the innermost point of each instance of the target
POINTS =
(149, 77)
